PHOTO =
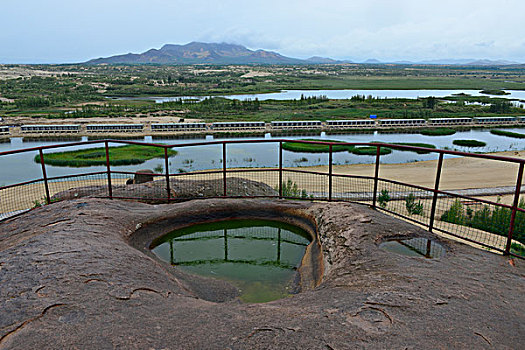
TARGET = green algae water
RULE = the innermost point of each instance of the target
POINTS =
(259, 257)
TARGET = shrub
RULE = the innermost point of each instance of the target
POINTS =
(412, 206)
(454, 214)
(383, 199)
(158, 169)
(496, 220)
(291, 190)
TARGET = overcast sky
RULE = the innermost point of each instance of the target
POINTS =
(63, 31)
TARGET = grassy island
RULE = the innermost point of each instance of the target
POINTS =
(123, 155)
(494, 92)
(415, 144)
(437, 132)
(516, 135)
(469, 143)
(316, 148)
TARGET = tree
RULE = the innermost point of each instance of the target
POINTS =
(429, 102)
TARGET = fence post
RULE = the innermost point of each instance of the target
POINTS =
(224, 167)
(330, 172)
(514, 209)
(44, 175)
(280, 169)
(436, 188)
(110, 189)
(167, 165)
(376, 176)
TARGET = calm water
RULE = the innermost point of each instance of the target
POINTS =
(344, 94)
(259, 257)
(418, 247)
(21, 167)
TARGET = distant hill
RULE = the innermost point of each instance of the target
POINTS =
(199, 53)
(469, 62)
(372, 61)
(324, 60)
(214, 53)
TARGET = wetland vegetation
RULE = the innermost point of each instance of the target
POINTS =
(516, 135)
(122, 155)
(73, 91)
(469, 143)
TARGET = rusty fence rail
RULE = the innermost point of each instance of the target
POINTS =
(495, 226)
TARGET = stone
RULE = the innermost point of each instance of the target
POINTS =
(142, 176)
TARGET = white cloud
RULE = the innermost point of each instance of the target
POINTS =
(60, 30)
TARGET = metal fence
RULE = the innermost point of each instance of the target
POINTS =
(490, 224)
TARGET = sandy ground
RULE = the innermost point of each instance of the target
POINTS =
(458, 173)
(9, 72)
(174, 117)
(252, 74)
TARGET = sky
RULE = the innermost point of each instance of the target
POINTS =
(72, 31)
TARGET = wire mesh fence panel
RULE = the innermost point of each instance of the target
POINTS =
(353, 189)
(469, 210)
(19, 198)
(19, 168)
(196, 185)
(254, 183)
(406, 201)
(141, 185)
(304, 185)
(484, 223)
(72, 187)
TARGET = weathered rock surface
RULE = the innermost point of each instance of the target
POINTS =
(180, 190)
(77, 274)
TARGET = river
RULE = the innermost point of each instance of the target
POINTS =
(342, 94)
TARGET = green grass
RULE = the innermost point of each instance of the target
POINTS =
(123, 155)
(469, 143)
(415, 144)
(437, 132)
(315, 148)
(370, 150)
(517, 249)
(516, 135)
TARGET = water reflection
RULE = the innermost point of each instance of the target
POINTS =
(420, 247)
(259, 257)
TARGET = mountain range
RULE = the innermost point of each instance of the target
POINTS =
(225, 54)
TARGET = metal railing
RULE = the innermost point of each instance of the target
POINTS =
(493, 226)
